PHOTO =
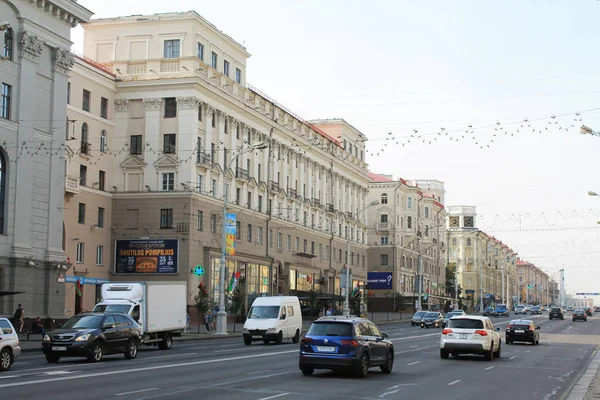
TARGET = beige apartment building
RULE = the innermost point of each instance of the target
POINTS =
(183, 130)
(485, 267)
(533, 284)
(407, 242)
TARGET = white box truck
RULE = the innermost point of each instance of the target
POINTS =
(159, 308)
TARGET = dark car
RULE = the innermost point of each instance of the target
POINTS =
(450, 315)
(556, 312)
(501, 311)
(346, 344)
(432, 320)
(588, 311)
(536, 310)
(93, 335)
(488, 311)
(522, 330)
(580, 314)
(417, 318)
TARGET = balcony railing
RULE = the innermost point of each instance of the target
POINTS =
(292, 193)
(316, 202)
(384, 226)
(329, 208)
(241, 173)
(274, 186)
(182, 227)
(203, 158)
(348, 214)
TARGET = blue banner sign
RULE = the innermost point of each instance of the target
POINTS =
(379, 280)
(85, 280)
(152, 256)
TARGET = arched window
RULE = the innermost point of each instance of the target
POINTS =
(384, 198)
(103, 142)
(454, 241)
(3, 169)
(468, 242)
(8, 50)
(84, 139)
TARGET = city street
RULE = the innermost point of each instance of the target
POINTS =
(227, 369)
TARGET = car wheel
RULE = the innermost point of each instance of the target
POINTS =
(307, 371)
(279, 338)
(97, 353)
(296, 338)
(52, 358)
(489, 355)
(132, 349)
(497, 352)
(444, 354)
(389, 364)
(166, 343)
(247, 341)
(6, 360)
(363, 369)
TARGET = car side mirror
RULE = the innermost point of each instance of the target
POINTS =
(384, 335)
(107, 325)
(498, 329)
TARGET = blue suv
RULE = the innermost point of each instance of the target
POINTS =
(345, 344)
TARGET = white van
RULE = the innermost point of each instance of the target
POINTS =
(274, 318)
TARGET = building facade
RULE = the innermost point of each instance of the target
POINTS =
(407, 241)
(184, 131)
(578, 302)
(34, 70)
(485, 268)
(533, 284)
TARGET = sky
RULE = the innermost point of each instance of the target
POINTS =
(486, 96)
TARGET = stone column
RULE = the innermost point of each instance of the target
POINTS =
(120, 139)
(152, 137)
(187, 139)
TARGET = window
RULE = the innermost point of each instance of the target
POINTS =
(99, 255)
(170, 107)
(249, 202)
(169, 143)
(383, 218)
(213, 121)
(289, 242)
(384, 239)
(168, 181)
(238, 230)
(2, 189)
(426, 212)
(214, 188)
(409, 222)
(80, 251)
(259, 238)
(68, 92)
(200, 51)
(200, 220)
(85, 147)
(172, 48)
(238, 75)
(384, 198)
(409, 202)
(468, 242)
(100, 217)
(83, 175)
(135, 145)
(7, 52)
(249, 233)
(85, 105)
(384, 259)
(259, 172)
(6, 98)
(166, 218)
(213, 60)
(103, 107)
(103, 142)
(226, 67)
(260, 201)
(226, 125)
(81, 213)
(279, 240)
(213, 223)
(101, 180)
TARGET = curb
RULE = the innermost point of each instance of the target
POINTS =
(579, 389)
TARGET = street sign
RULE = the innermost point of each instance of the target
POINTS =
(60, 278)
(198, 271)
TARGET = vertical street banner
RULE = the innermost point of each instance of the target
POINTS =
(230, 223)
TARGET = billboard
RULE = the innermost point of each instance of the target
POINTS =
(152, 256)
(379, 280)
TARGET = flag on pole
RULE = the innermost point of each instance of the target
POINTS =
(234, 281)
(355, 291)
(79, 286)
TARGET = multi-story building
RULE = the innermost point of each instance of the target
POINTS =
(34, 68)
(485, 267)
(554, 293)
(533, 283)
(578, 302)
(407, 239)
(185, 131)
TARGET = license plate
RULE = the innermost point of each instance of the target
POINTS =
(519, 331)
(59, 348)
(328, 349)
(256, 336)
(462, 335)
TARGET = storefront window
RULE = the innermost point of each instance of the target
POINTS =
(258, 279)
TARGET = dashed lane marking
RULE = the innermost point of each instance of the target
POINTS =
(454, 382)
(136, 391)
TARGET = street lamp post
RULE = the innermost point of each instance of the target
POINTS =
(222, 314)
(346, 310)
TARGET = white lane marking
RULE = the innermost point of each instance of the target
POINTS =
(454, 382)
(225, 351)
(488, 368)
(388, 393)
(417, 349)
(258, 372)
(51, 373)
(414, 345)
(416, 337)
(413, 363)
(169, 356)
(527, 351)
(152, 368)
(136, 391)
(403, 384)
(274, 396)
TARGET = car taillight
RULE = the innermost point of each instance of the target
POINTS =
(349, 342)
(446, 331)
(306, 340)
(481, 332)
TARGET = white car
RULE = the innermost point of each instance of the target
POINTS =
(470, 334)
(520, 310)
(9, 344)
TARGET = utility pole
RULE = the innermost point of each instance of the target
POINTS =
(480, 275)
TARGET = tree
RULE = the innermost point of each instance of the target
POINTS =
(203, 302)
(355, 300)
(450, 279)
(236, 303)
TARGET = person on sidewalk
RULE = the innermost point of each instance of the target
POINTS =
(19, 314)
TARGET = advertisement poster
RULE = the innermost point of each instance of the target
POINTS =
(158, 256)
(230, 222)
(379, 280)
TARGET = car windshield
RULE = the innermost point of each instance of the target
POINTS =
(330, 329)
(465, 323)
(420, 313)
(520, 323)
(556, 310)
(112, 308)
(84, 322)
(501, 307)
(431, 315)
(520, 306)
(264, 312)
(535, 308)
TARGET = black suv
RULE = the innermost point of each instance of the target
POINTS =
(93, 335)
(345, 343)
(580, 314)
(556, 312)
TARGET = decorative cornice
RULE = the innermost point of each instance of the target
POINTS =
(121, 105)
(188, 103)
(63, 60)
(31, 46)
(222, 116)
(153, 104)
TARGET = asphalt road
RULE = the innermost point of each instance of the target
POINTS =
(227, 369)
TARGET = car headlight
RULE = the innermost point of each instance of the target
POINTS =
(47, 338)
(271, 330)
(83, 338)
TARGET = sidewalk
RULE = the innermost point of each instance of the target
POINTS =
(587, 386)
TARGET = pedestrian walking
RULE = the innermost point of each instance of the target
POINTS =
(19, 314)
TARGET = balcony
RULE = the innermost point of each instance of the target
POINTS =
(274, 186)
(384, 226)
(329, 208)
(292, 193)
(85, 149)
(72, 185)
(203, 158)
(241, 173)
(348, 214)
(316, 202)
